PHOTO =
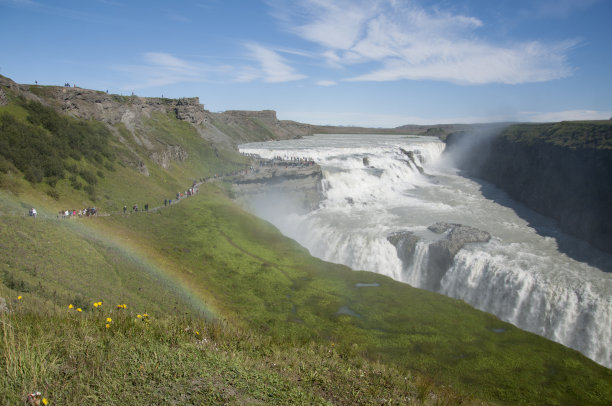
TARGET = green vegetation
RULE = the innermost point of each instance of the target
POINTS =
(572, 134)
(236, 312)
(73, 358)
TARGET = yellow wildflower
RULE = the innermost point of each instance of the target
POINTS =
(197, 333)
(45, 401)
(79, 309)
(122, 306)
(109, 320)
(19, 297)
(145, 315)
(97, 304)
(71, 306)
(107, 325)
(139, 316)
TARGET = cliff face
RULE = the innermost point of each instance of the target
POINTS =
(229, 128)
(563, 171)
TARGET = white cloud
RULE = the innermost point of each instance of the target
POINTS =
(162, 69)
(273, 68)
(405, 41)
(326, 83)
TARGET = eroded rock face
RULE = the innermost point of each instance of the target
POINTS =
(414, 159)
(172, 153)
(568, 183)
(189, 109)
(440, 253)
(405, 244)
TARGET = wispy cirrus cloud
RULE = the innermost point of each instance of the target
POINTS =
(272, 67)
(161, 69)
(405, 41)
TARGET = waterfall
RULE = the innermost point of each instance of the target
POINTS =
(378, 186)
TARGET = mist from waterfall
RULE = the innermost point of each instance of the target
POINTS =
(376, 185)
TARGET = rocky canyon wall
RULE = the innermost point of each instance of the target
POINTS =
(561, 170)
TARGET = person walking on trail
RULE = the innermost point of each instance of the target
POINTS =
(146, 206)
(124, 209)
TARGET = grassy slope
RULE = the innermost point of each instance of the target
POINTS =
(572, 134)
(207, 257)
(266, 285)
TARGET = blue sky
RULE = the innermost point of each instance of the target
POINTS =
(377, 63)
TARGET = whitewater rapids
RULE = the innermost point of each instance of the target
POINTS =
(375, 185)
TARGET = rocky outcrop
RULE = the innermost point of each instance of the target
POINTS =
(415, 159)
(248, 126)
(561, 170)
(440, 253)
(171, 153)
(405, 244)
(190, 110)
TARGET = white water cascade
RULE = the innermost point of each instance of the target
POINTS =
(376, 185)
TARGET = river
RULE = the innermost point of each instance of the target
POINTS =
(376, 185)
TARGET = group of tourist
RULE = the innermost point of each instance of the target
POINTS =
(90, 211)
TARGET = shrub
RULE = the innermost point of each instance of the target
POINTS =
(88, 176)
(72, 168)
(33, 174)
(75, 183)
(54, 194)
(91, 191)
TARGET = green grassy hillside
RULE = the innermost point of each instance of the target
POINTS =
(230, 310)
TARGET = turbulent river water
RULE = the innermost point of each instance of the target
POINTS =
(376, 185)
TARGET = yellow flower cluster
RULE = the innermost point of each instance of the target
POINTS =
(97, 304)
(122, 306)
(143, 317)
(78, 309)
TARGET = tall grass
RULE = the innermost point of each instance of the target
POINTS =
(74, 358)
